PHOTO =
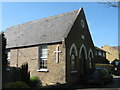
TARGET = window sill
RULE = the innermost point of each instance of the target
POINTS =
(42, 70)
(73, 72)
(7, 69)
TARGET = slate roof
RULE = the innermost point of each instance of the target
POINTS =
(97, 48)
(116, 47)
(47, 30)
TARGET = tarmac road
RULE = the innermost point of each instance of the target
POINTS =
(115, 85)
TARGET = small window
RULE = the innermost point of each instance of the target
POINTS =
(82, 23)
(104, 54)
(96, 52)
(43, 57)
(116, 63)
(100, 53)
(8, 57)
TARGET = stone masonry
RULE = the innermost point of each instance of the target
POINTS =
(56, 71)
(111, 53)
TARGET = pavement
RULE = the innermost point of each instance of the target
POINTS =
(115, 85)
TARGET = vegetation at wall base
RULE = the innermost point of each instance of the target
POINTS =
(17, 74)
(34, 81)
(4, 54)
(4, 57)
(18, 84)
(109, 67)
(25, 74)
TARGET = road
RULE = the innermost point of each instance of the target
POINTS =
(114, 85)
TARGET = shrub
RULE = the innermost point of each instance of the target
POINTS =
(18, 84)
(12, 75)
(109, 67)
(15, 74)
(25, 75)
(33, 81)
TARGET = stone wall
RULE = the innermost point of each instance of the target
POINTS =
(56, 71)
(80, 38)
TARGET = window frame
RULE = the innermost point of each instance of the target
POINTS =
(8, 57)
(82, 22)
(42, 63)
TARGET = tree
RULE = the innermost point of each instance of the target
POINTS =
(111, 4)
(4, 54)
(4, 58)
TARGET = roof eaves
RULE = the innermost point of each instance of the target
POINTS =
(99, 49)
(44, 43)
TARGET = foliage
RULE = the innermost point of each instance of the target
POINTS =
(18, 74)
(4, 54)
(33, 81)
(15, 74)
(25, 75)
(104, 73)
(109, 67)
(18, 84)
(101, 60)
(110, 4)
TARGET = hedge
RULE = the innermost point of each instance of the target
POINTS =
(34, 81)
(109, 67)
(18, 84)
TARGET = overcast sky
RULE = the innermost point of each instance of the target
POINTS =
(102, 21)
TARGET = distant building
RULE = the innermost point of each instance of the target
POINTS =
(100, 56)
(112, 53)
(100, 52)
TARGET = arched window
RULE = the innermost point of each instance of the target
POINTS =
(82, 48)
(90, 57)
(83, 58)
(73, 56)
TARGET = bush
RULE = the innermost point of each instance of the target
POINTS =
(25, 74)
(109, 67)
(18, 84)
(34, 81)
(15, 74)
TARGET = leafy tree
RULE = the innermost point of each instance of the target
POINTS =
(111, 4)
(4, 54)
(4, 57)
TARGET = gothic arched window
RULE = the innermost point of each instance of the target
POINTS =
(73, 57)
(90, 57)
